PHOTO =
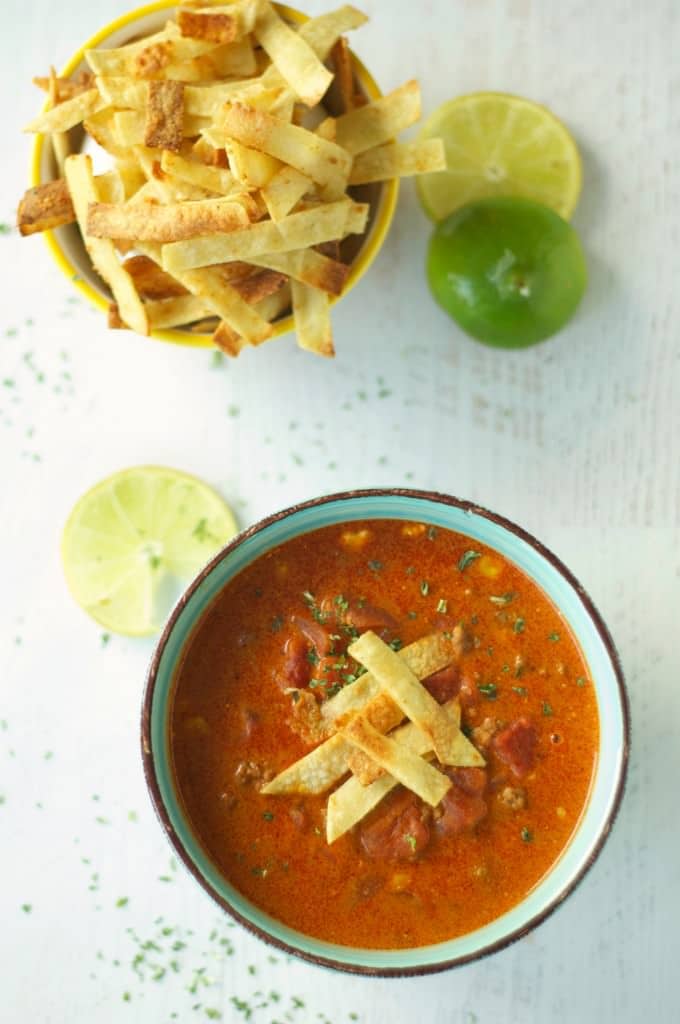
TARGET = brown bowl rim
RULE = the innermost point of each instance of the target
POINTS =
(316, 958)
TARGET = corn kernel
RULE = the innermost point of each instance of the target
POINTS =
(413, 529)
(490, 567)
(355, 540)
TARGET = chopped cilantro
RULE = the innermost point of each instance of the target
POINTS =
(216, 360)
(521, 691)
(412, 842)
(295, 696)
(431, 532)
(312, 656)
(501, 599)
(374, 565)
(27, 908)
(581, 681)
(412, 615)
(527, 835)
(547, 708)
(267, 815)
(395, 644)
(442, 606)
(467, 558)
(410, 569)
(489, 690)
(554, 637)
(105, 639)
(518, 626)
(341, 603)
(424, 588)
(276, 624)
(122, 902)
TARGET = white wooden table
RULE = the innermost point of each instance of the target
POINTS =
(576, 439)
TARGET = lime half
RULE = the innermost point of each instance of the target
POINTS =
(500, 145)
(134, 540)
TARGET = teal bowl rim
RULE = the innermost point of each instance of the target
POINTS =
(516, 544)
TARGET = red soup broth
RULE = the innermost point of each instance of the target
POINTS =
(262, 659)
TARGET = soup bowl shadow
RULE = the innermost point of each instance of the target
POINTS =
(544, 569)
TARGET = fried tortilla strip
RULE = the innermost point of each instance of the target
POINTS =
(397, 159)
(83, 190)
(309, 267)
(293, 58)
(284, 190)
(315, 772)
(329, 761)
(403, 765)
(164, 115)
(464, 753)
(297, 231)
(214, 179)
(252, 168)
(153, 222)
(312, 320)
(353, 800)
(269, 308)
(322, 161)
(130, 127)
(233, 60)
(209, 284)
(344, 73)
(165, 313)
(379, 121)
(66, 88)
(405, 689)
(259, 285)
(216, 26)
(68, 114)
(60, 140)
(45, 207)
(423, 657)
(150, 281)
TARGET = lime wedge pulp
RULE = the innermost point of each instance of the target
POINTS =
(134, 540)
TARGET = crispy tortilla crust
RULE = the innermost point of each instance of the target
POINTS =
(344, 75)
(164, 116)
(45, 207)
(400, 762)
(153, 222)
(407, 691)
(151, 281)
(152, 59)
(309, 267)
(66, 88)
(216, 28)
(259, 285)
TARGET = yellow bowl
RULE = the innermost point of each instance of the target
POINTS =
(65, 243)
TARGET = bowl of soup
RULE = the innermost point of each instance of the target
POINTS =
(386, 730)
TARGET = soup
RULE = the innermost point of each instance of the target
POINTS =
(254, 697)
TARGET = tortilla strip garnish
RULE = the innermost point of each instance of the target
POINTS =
(65, 88)
(220, 296)
(464, 753)
(315, 772)
(67, 114)
(397, 159)
(83, 190)
(308, 227)
(405, 766)
(352, 801)
(403, 686)
(293, 58)
(45, 207)
(153, 222)
(344, 74)
(214, 26)
(423, 657)
(214, 179)
(322, 161)
(380, 121)
(309, 267)
(284, 190)
(312, 319)
(164, 115)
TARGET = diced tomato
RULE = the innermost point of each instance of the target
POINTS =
(367, 616)
(516, 746)
(314, 633)
(399, 833)
(443, 685)
(461, 811)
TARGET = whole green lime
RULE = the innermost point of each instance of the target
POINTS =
(510, 271)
